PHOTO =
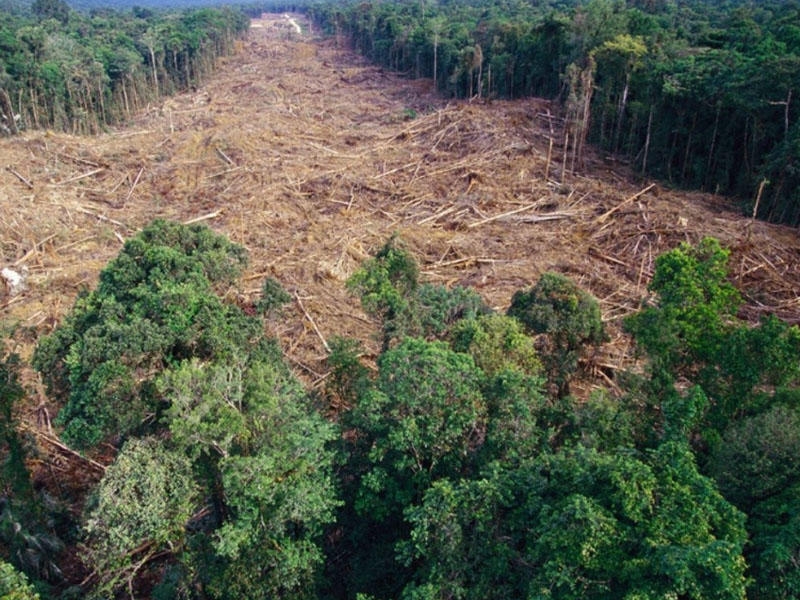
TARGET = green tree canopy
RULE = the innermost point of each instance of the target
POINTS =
(251, 429)
(141, 508)
(579, 524)
(226, 475)
(756, 467)
(14, 585)
(389, 288)
(153, 307)
(691, 331)
(422, 420)
(568, 318)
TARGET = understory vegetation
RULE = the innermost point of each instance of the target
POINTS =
(459, 465)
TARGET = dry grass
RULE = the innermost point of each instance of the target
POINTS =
(311, 159)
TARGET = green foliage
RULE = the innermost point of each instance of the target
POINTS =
(604, 423)
(738, 371)
(28, 534)
(496, 343)
(51, 9)
(695, 306)
(754, 357)
(458, 542)
(248, 421)
(774, 549)
(348, 378)
(389, 289)
(423, 420)
(14, 585)
(81, 72)
(26, 526)
(579, 524)
(513, 388)
(567, 316)
(756, 459)
(756, 468)
(15, 479)
(226, 474)
(153, 307)
(141, 508)
(386, 281)
(692, 332)
(385, 284)
(273, 296)
(438, 309)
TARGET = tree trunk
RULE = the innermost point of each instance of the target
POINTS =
(435, 58)
(710, 159)
(155, 70)
(7, 111)
(477, 59)
(623, 103)
(125, 104)
(647, 140)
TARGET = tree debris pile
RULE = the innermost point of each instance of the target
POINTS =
(311, 159)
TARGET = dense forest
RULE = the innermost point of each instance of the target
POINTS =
(458, 466)
(80, 72)
(699, 94)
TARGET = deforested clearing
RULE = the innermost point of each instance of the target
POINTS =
(311, 158)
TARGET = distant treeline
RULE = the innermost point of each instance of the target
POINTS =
(700, 94)
(79, 72)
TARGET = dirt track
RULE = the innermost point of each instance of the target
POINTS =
(311, 159)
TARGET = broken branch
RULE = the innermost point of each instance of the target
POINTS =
(505, 214)
(82, 176)
(313, 324)
(211, 215)
(11, 170)
(135, 181)
(602, 218)
(86, 211)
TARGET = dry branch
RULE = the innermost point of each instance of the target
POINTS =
(606, 257)
(82, 176)
(543, 218)
(34, 249)
(225, 157)
(11, 170)
(225, 172)
(602, 218)
(437, 215)
(313, 323)
(53, 441)
(505, 214)
(100, 217)
(211, 215)
(133, 185)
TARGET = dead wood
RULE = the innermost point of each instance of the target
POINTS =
(19, 176)
(82, 176)
(602, 218)
(305, 155)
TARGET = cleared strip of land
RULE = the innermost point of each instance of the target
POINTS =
(312, 158)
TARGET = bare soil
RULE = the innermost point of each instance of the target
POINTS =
(311, 158)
